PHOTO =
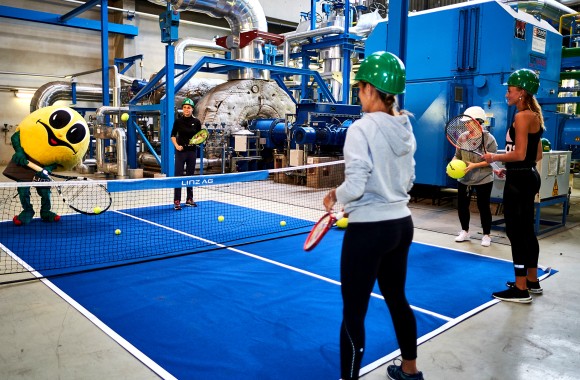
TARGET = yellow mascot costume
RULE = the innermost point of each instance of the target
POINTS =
(55, 138)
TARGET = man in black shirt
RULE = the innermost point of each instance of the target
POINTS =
(185, 153)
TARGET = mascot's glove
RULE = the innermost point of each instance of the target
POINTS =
(20, 158)
(41, 176)
(50, 168)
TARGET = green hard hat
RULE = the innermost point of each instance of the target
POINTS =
(383, 70)
(526, 79)
(546, 145)
(187, 101)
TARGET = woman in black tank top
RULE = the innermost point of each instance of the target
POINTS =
(523, 150)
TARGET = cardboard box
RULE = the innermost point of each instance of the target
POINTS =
(280, 161)
(324, 176)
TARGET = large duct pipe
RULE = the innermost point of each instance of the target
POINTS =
(242, 16)
(51, 92)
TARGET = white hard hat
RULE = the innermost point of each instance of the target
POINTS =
(476, 113)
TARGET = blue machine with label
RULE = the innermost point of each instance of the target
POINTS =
(478, 44)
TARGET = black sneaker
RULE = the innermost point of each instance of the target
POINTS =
(190, 203)
(533, 286)
(395, 372)
(513, 295)
(176, 205)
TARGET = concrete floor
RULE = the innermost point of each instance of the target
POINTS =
(43, 337)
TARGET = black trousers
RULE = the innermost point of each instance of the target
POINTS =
(184, 161)
(521, 187)
(483, 202)
(375, 252)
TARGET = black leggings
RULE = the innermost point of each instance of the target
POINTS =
(521, 187)
(184, 158)
(371, 252)
(483, 200)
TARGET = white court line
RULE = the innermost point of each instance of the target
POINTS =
(96, 321)
(273, 262)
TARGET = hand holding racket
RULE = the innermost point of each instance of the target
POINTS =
(320, 229)
(89, 199)
(465, 133)
(199, 137)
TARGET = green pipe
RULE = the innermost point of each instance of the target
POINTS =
(570, 75)
(570, 52)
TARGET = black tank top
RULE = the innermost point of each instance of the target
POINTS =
(531, 151)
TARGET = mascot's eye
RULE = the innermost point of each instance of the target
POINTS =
(76, 133)
(59, 119)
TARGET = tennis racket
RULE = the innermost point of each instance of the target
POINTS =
(199, 137)
(320, 229)
(465, 133)
(89, 199)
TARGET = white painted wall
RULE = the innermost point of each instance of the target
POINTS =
(29, 47)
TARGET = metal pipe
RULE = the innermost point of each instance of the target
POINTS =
(52, 92)
(196, 44)
(242, 16)
(294, 36)
(103, 132)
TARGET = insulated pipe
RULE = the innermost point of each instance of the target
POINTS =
(52, 92)
(103, 132)
(184, 44)
(294, 36)
(242, 16)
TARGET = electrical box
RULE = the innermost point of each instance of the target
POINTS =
(296, 157)
(241, 143)
(554, 169)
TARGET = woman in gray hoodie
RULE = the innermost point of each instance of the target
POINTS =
(379, 173)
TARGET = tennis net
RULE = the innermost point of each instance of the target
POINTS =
(142, 225)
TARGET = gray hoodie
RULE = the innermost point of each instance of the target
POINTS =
(379, 168)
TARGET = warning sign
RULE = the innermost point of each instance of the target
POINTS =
(539, 40)
(520, 30)
(555, 191)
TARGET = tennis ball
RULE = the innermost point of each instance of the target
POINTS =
(220, 218)
(97, 210)
(117, 232)
(283, 223)
(342, 222)
(456, 169)
(125, 117)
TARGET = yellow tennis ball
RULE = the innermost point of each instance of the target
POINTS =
(456, 169)
(342, 222)
(117, 232)
(125, 117)
(97, 210)
(220, 218)
(283, 223)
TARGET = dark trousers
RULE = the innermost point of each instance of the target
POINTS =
(184, 161)
(521, 187)
(375, 252)
(483, 201)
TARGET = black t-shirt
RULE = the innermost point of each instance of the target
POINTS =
(183, 130)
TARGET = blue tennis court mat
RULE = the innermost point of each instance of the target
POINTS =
(265, 310)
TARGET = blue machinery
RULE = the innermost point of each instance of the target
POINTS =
(477, 45)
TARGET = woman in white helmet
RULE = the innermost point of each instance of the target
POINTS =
(478, 178)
